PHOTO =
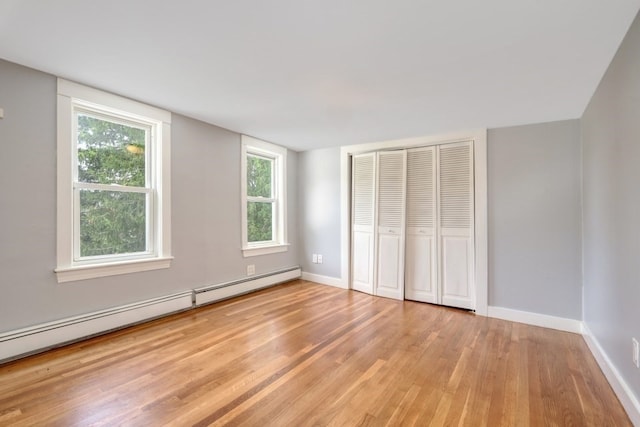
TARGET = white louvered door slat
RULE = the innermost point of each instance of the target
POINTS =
(363, 219)
(421, 253)
(391, 221)
(455, 217)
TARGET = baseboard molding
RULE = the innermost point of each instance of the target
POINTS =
(35, 339)
(213, 293)
(618, 384)
(546, 321)
(324, 280)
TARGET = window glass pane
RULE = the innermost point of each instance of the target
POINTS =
(112, 222)
(259, 221)
(110, 153)
(259, 173)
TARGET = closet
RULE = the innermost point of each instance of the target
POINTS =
(412, 224)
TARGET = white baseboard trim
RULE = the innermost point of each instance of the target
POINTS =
(34, 339)
(324, 280)
(544, 320)
(618, 384)
(213, 293)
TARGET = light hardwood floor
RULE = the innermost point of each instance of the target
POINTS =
(305, 354)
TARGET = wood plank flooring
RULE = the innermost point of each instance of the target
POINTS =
(302, 354)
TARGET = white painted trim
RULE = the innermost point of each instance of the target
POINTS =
(264, 250)
(14, 344)
(536, 319)
(325, 280)
(620, 387)
(79, 91)
(481, 227)
(213, 293)
(479, 137)
(68, 268)
(249, 144)
(84, 272)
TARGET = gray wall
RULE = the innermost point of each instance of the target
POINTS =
(205, 212)
(611, 165)
(319, 209)
(535, 218)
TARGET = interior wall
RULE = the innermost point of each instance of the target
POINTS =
(535, 218)
(206, 235)
(611, 164)
(533, 197)
(319, 210)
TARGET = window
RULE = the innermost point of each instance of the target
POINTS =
(263, 197)
(113, 184)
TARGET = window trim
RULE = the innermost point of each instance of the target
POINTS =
(250, 145)
(72, 96)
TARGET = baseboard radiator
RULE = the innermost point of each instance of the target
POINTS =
(35, 339)
(213, 293)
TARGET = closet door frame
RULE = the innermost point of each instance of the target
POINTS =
(479, 138)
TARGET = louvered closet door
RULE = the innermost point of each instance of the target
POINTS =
(421, 253)
(363, 221)
(391, 211)
(455, 208)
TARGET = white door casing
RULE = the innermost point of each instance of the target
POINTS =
(457, 242)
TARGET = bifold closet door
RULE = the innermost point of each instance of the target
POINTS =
(363, 222)
(421, 251)
(389, 280)
(456, 231)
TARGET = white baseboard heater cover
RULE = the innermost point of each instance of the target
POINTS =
(34, 339)
(213, 293)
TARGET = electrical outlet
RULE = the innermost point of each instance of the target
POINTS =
(314, 258)
(319, 259)
(251, 270)
(636, 352)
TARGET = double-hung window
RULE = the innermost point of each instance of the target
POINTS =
(263, 197)
(113, 184)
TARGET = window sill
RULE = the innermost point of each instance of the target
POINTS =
(264, 250)
(83, 272)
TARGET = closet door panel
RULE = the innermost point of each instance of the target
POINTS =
(390, 255)
(363, 220)
(391, 221)
(420, 274)
(456, 272)
(455, 213)
(421, 248)
(362, 260)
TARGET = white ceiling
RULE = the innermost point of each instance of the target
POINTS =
(311, 74)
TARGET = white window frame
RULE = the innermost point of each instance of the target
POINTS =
(72, 98)
(257, 147)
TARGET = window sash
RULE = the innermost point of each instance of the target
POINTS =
(274, 166)
(80, 108)
(274, 222)
(150, 247)
(273, 200)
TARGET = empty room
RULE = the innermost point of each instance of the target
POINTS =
(328, 213)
